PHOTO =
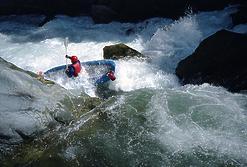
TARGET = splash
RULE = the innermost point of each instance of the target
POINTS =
(173, 42)
(133, 74)
(200, 117)
(152, 120)
(165, 41)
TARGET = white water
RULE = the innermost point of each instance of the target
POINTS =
(200, 116)
(165, 41)
(178, 112)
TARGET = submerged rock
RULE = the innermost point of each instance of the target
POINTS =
(219, 60)
(120, 51)
(30, 107)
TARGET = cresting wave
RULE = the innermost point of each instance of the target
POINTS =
(152, 120)
(166, 42)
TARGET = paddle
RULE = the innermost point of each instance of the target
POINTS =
(66, 41)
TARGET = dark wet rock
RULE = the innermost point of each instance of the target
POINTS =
(103, 14)
(240, 17)
(137, 10)
(104, 11)
(201, 5)
(120, 51)
(219, 60)
(30, 107)
(46, 7)
(46, 20)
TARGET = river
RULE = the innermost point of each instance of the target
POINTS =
(151, 120)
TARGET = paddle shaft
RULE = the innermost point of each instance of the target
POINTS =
(66, 41)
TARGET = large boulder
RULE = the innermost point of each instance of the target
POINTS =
(129, 10)
(240, 17)
(220, 60)
(30, 107)
(103, 14)
(120, 51)
(47, 7)
(104, 11)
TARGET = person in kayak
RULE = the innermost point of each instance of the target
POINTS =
(75, 68)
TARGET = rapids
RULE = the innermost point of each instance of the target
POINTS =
(151, 120)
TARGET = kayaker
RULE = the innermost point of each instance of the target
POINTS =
(73, 69)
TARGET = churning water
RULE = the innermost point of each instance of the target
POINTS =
(153, 121)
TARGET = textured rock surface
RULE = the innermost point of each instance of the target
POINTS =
(120, 51)
(220, 60)
(30, 107)
(108, 10)
(240, 17)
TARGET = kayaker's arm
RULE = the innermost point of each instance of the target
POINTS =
(70, 71)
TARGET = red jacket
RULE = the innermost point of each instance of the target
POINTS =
(77, 68)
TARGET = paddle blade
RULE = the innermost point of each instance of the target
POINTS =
(66, 41)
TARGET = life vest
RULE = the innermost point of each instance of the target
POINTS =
(77, 68)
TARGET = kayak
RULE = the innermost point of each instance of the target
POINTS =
(98, 70)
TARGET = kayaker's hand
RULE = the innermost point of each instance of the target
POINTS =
(111, 75)
(67, 71)
(66, 56)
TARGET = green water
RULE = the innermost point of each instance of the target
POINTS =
(165, 125)
(189, 126)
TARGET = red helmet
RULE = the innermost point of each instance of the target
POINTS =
(111, 75)
(74, 59)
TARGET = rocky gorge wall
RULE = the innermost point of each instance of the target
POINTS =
(103, 11)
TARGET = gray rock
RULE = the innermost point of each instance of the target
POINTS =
(28, 106)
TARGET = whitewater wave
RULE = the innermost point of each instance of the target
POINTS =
(164, 40)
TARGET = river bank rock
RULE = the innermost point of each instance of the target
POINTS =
(120, 51)
(102, 14)
(104, 11)
(137, 10)
(240, 17)
(30, 107)
(67, 7)
(219, 60)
